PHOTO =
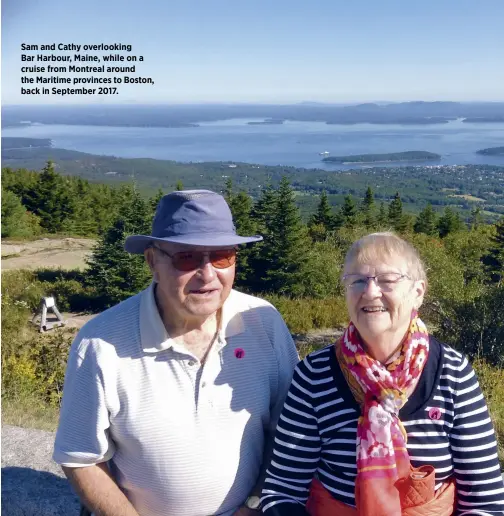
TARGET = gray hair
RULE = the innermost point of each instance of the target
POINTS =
(377, 246)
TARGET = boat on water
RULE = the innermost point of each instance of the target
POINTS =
(325, 153)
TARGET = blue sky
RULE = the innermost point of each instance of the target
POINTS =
(279, 51)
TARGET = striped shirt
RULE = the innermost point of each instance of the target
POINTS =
(446, 419)
(181, 438)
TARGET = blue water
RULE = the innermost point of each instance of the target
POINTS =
(293, 143)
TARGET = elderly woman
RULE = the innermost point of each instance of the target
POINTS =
(387, 421)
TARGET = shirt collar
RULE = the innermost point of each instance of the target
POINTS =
(154, 336)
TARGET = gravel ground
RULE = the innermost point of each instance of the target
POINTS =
(32, 484)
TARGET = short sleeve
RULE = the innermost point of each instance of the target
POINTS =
(82, 438)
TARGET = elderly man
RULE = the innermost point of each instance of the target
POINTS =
(171, 398)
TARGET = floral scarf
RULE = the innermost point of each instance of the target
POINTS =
(382, 390)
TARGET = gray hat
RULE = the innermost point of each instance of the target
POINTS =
(193, 217)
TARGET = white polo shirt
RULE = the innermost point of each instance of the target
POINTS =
(182, 438)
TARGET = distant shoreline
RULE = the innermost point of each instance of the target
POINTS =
(388, 161)
(391, 157)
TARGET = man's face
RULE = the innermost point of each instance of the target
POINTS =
(197, 293)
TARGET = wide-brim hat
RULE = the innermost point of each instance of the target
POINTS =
(192, 217)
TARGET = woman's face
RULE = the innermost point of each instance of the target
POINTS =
(382, 311)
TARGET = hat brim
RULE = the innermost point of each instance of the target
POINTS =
(137, 244)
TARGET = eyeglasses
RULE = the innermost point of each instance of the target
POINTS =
(186, 261)
(386, 282)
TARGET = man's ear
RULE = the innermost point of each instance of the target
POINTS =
(149, 258)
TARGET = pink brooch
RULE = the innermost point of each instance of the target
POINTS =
(435, 413)
(239, 353)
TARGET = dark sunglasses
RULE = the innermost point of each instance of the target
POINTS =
(190, 260)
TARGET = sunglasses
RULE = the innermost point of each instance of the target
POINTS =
(186, 261)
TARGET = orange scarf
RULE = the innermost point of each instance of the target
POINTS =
(382, 457)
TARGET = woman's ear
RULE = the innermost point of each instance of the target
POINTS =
(419, 292)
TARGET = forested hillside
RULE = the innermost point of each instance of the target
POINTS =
(462, 188)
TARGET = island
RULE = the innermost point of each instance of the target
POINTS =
(492, 151)
(25, 143)
(484, 120)
(384, 158)
(268, 121)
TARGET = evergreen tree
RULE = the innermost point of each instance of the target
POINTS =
(476, 218)
(324, 213)
(279, 262)
(241, 208)
(258, 258)
(228, 191)
(368, 208)
(494, 260)
(395, 214)
(179, 186)
(382, 218)
(114, 273)
(264, 210)
(348, 212)
(289, 247)
(323, 220)
(426, 221)
(154, 200)
(51, 199)
(449, 222)
(16, 221)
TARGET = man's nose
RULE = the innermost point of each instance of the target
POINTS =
(206, 270)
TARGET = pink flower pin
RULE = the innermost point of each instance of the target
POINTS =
(239, 353)
(435, 413)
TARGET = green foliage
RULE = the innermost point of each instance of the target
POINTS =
(16, 220)
(51, 200)
(114, 273)
(449, 222)
(494, 258)
(241, 208)
(395, 214)
(426, 221)
(382, 217)
(305, 314)
(418, 185)
(63, 204)
(368, 209)
(38, 369)
(323, 220)
(154, 200)
(348, 212)
(283, 259)
(468, 248)
(476, 327)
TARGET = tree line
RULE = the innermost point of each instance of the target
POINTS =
(296, 259)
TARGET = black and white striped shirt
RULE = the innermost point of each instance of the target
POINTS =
(316, 435)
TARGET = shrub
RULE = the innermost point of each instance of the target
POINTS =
(37, 370)
(476, 327)
(305, 314)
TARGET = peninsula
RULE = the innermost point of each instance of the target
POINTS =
(492, 151)
(484, 120)
(25, 143)
(384, 158)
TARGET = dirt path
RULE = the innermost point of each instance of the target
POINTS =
(65, 253)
